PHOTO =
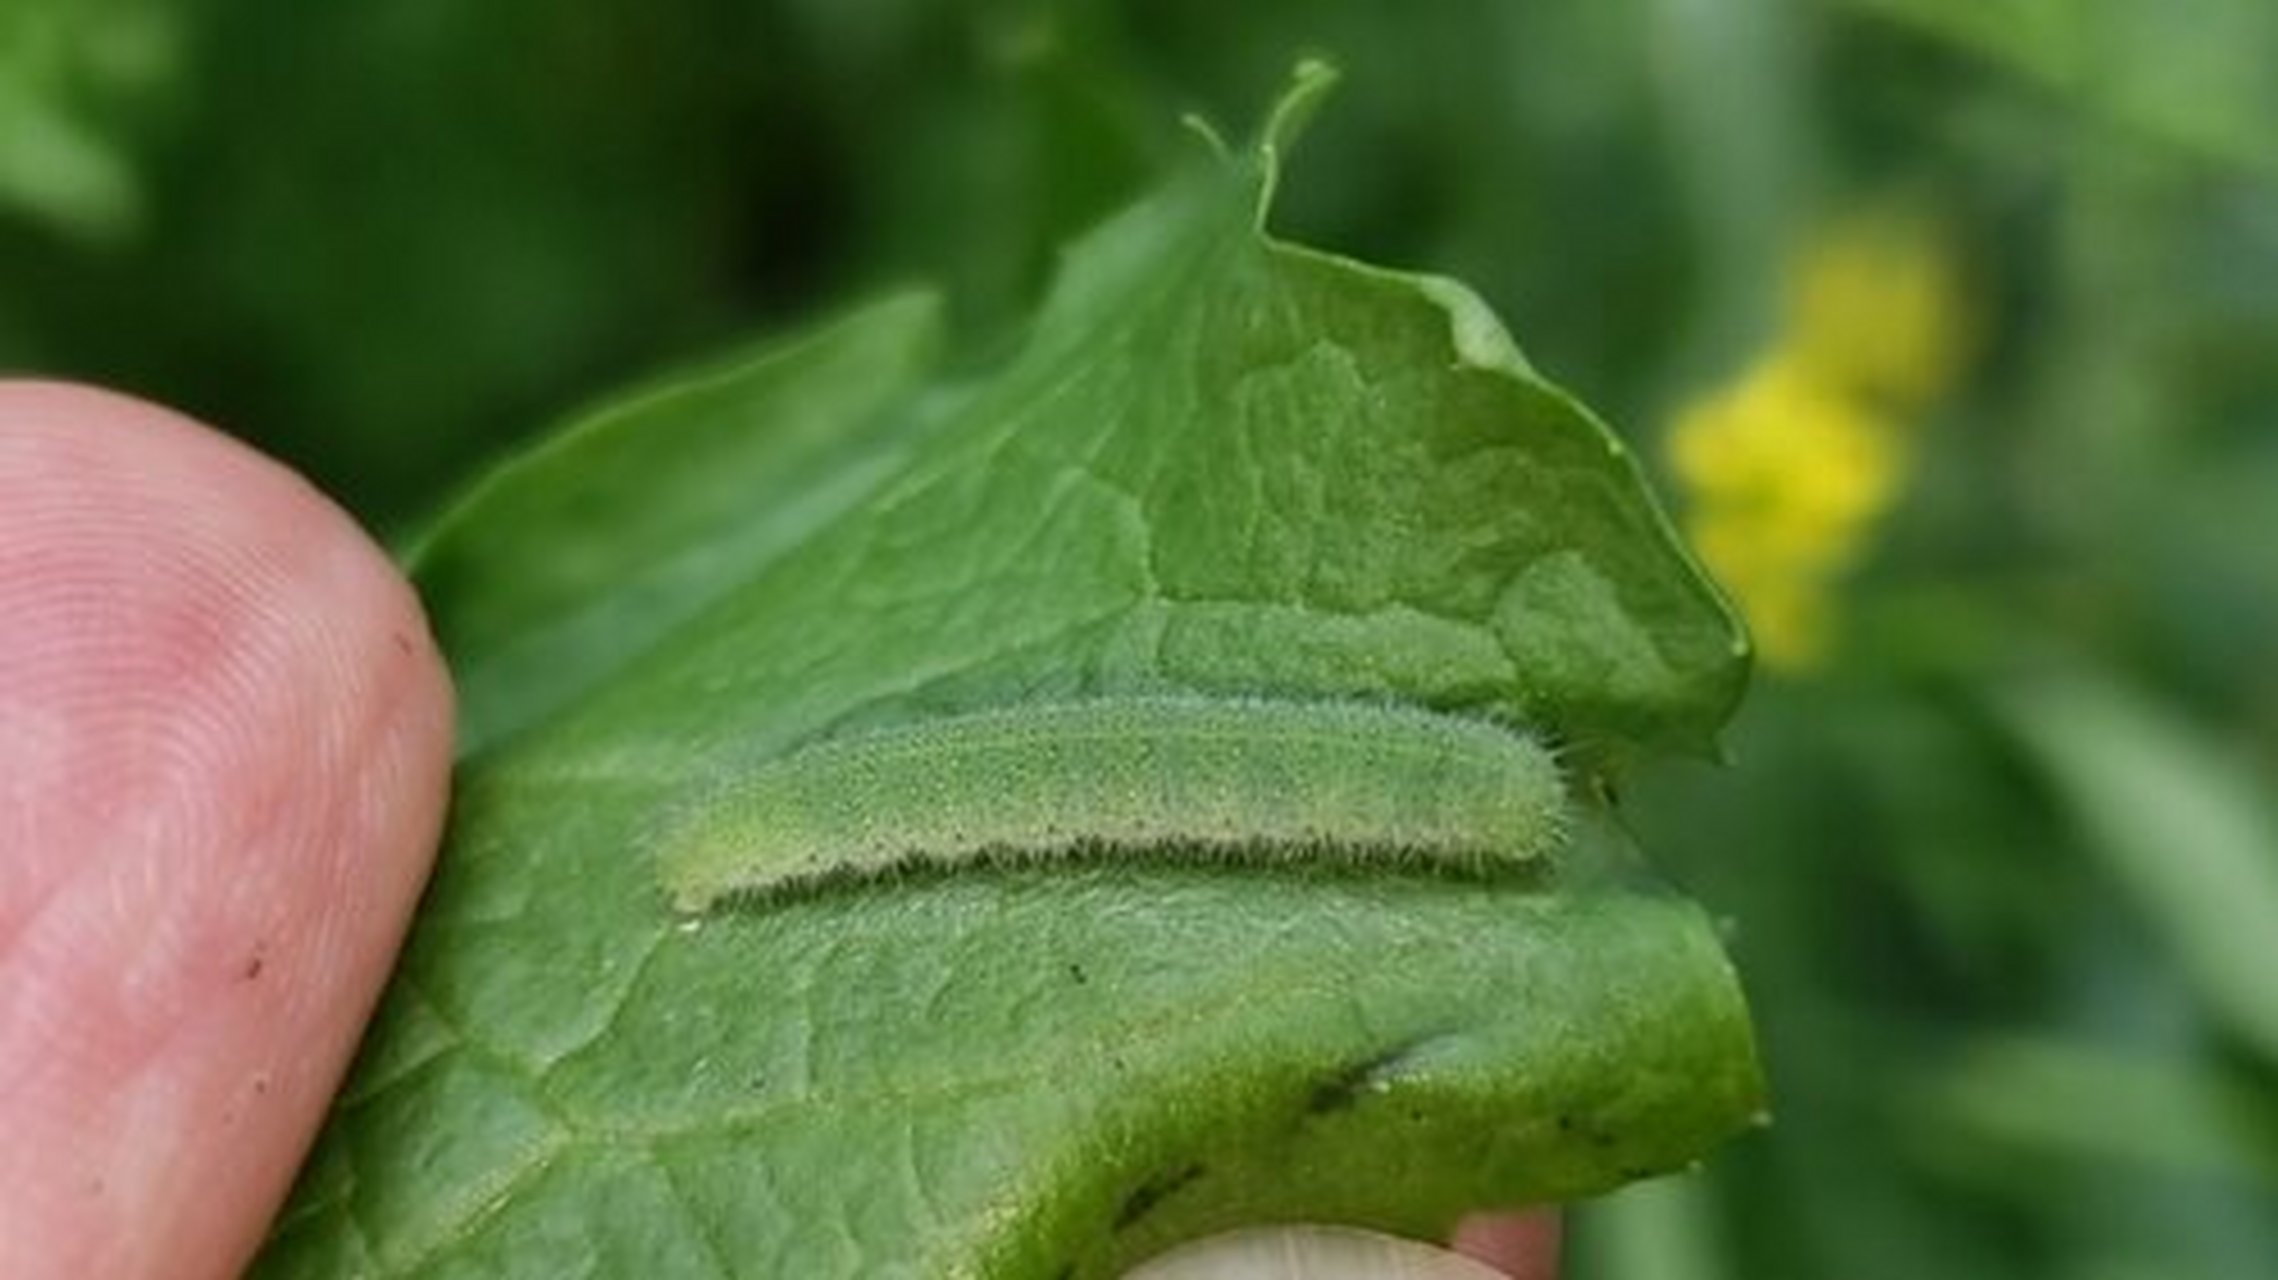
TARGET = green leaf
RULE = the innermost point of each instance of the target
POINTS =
(2012, 1094)
(566, 563)
(1218, 465)
(77, 78)
(2180, 823)
(2193, 74)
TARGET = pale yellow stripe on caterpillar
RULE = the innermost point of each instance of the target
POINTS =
(1244, 780)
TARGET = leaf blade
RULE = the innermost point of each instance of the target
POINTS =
(1220, 465)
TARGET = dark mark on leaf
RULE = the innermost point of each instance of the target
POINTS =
(1346, 1087)
(1140, 1202)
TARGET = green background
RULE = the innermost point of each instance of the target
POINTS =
(2001, 871)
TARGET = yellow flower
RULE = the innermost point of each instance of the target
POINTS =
(1875, 307)
(1792, 466)
(1787, 477)
(1804, 463)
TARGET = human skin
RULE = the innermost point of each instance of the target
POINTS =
(225, 743)
(224, 751)
(1523, 1246)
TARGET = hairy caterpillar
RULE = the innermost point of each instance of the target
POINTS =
(1286, 780)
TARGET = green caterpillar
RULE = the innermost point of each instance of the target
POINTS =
(1245, 779)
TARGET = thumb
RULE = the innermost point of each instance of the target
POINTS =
(1311, 1253)
(224, 749)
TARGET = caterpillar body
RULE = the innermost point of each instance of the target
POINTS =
(1247, 779)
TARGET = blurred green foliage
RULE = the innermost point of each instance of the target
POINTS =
(2002, 864)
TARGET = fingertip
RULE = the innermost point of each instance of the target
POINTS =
(1521, 1245)
(224, 755)
(1309, 1253)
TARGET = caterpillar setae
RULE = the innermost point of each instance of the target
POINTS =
(1246, 779)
